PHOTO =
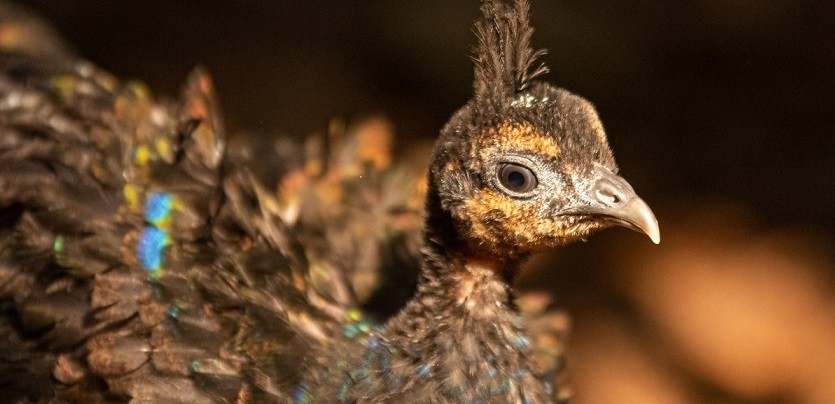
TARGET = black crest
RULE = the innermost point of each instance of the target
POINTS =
(504, 61)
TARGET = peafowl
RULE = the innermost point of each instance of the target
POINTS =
(141, 261)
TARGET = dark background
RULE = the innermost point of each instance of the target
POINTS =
(719, 112)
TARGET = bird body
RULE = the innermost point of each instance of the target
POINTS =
(120, 221)
(140, 261)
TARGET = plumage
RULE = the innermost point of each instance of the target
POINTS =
(141, 261)
(356, 213)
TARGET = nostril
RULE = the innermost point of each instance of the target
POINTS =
(608, 196)
(611, 191)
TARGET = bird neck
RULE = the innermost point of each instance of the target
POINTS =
(461, 334)
(453, 267)
(458, 287)
(446, 251)
(459, 339)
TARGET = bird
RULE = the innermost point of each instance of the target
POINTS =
(142, 261)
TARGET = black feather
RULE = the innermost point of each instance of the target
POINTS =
(505, 63)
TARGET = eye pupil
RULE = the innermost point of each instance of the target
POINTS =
(516, 178)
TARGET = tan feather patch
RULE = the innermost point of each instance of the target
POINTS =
(521, 137)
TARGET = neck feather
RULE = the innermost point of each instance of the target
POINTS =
(460, 338)
(459, 287)
(462, 330)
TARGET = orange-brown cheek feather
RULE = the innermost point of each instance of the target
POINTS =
(499, 223)
(505, 226)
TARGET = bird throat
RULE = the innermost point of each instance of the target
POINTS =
(462, 331)
(476, 284)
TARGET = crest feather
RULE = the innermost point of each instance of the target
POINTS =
(504, 61)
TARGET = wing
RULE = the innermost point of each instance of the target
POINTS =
(358, 213)
(137, 261)
(549, 327)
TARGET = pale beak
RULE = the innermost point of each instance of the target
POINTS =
(635, 214)
(615, 201)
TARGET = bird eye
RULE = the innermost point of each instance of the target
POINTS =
(517, 178)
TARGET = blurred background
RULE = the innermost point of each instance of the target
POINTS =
(719, 112)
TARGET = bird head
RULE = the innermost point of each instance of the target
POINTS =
(525, 166)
